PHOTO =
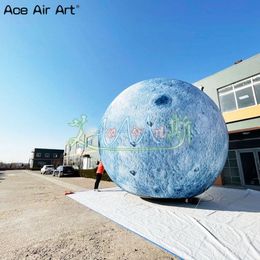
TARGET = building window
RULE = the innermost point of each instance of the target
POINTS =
(47, 155)
(245, 97)
(38, 155)
(55, 155)
(227, 99)
(257, 92)
(240, 95)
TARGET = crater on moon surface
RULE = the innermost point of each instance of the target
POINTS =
(163, 100)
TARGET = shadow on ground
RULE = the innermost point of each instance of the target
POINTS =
(245, 201)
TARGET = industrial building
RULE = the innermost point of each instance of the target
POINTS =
(236, 91)
(79, 155)
(45, 156)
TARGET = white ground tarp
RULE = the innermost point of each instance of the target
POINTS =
(225, 224)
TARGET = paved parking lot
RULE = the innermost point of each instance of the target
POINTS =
(37, 221)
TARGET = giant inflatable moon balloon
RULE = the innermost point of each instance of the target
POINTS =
(163, 138)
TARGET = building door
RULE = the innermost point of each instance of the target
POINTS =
(85, 163)
(250, 166)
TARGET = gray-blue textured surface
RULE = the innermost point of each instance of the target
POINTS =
(163, 138)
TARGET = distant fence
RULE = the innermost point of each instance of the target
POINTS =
(3, 168)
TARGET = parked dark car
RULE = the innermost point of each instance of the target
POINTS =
(64, 170)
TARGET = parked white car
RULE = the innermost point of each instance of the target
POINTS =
(47, 169)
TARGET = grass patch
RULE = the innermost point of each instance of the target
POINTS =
(91, 173)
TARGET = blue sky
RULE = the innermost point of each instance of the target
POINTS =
(54, 68)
